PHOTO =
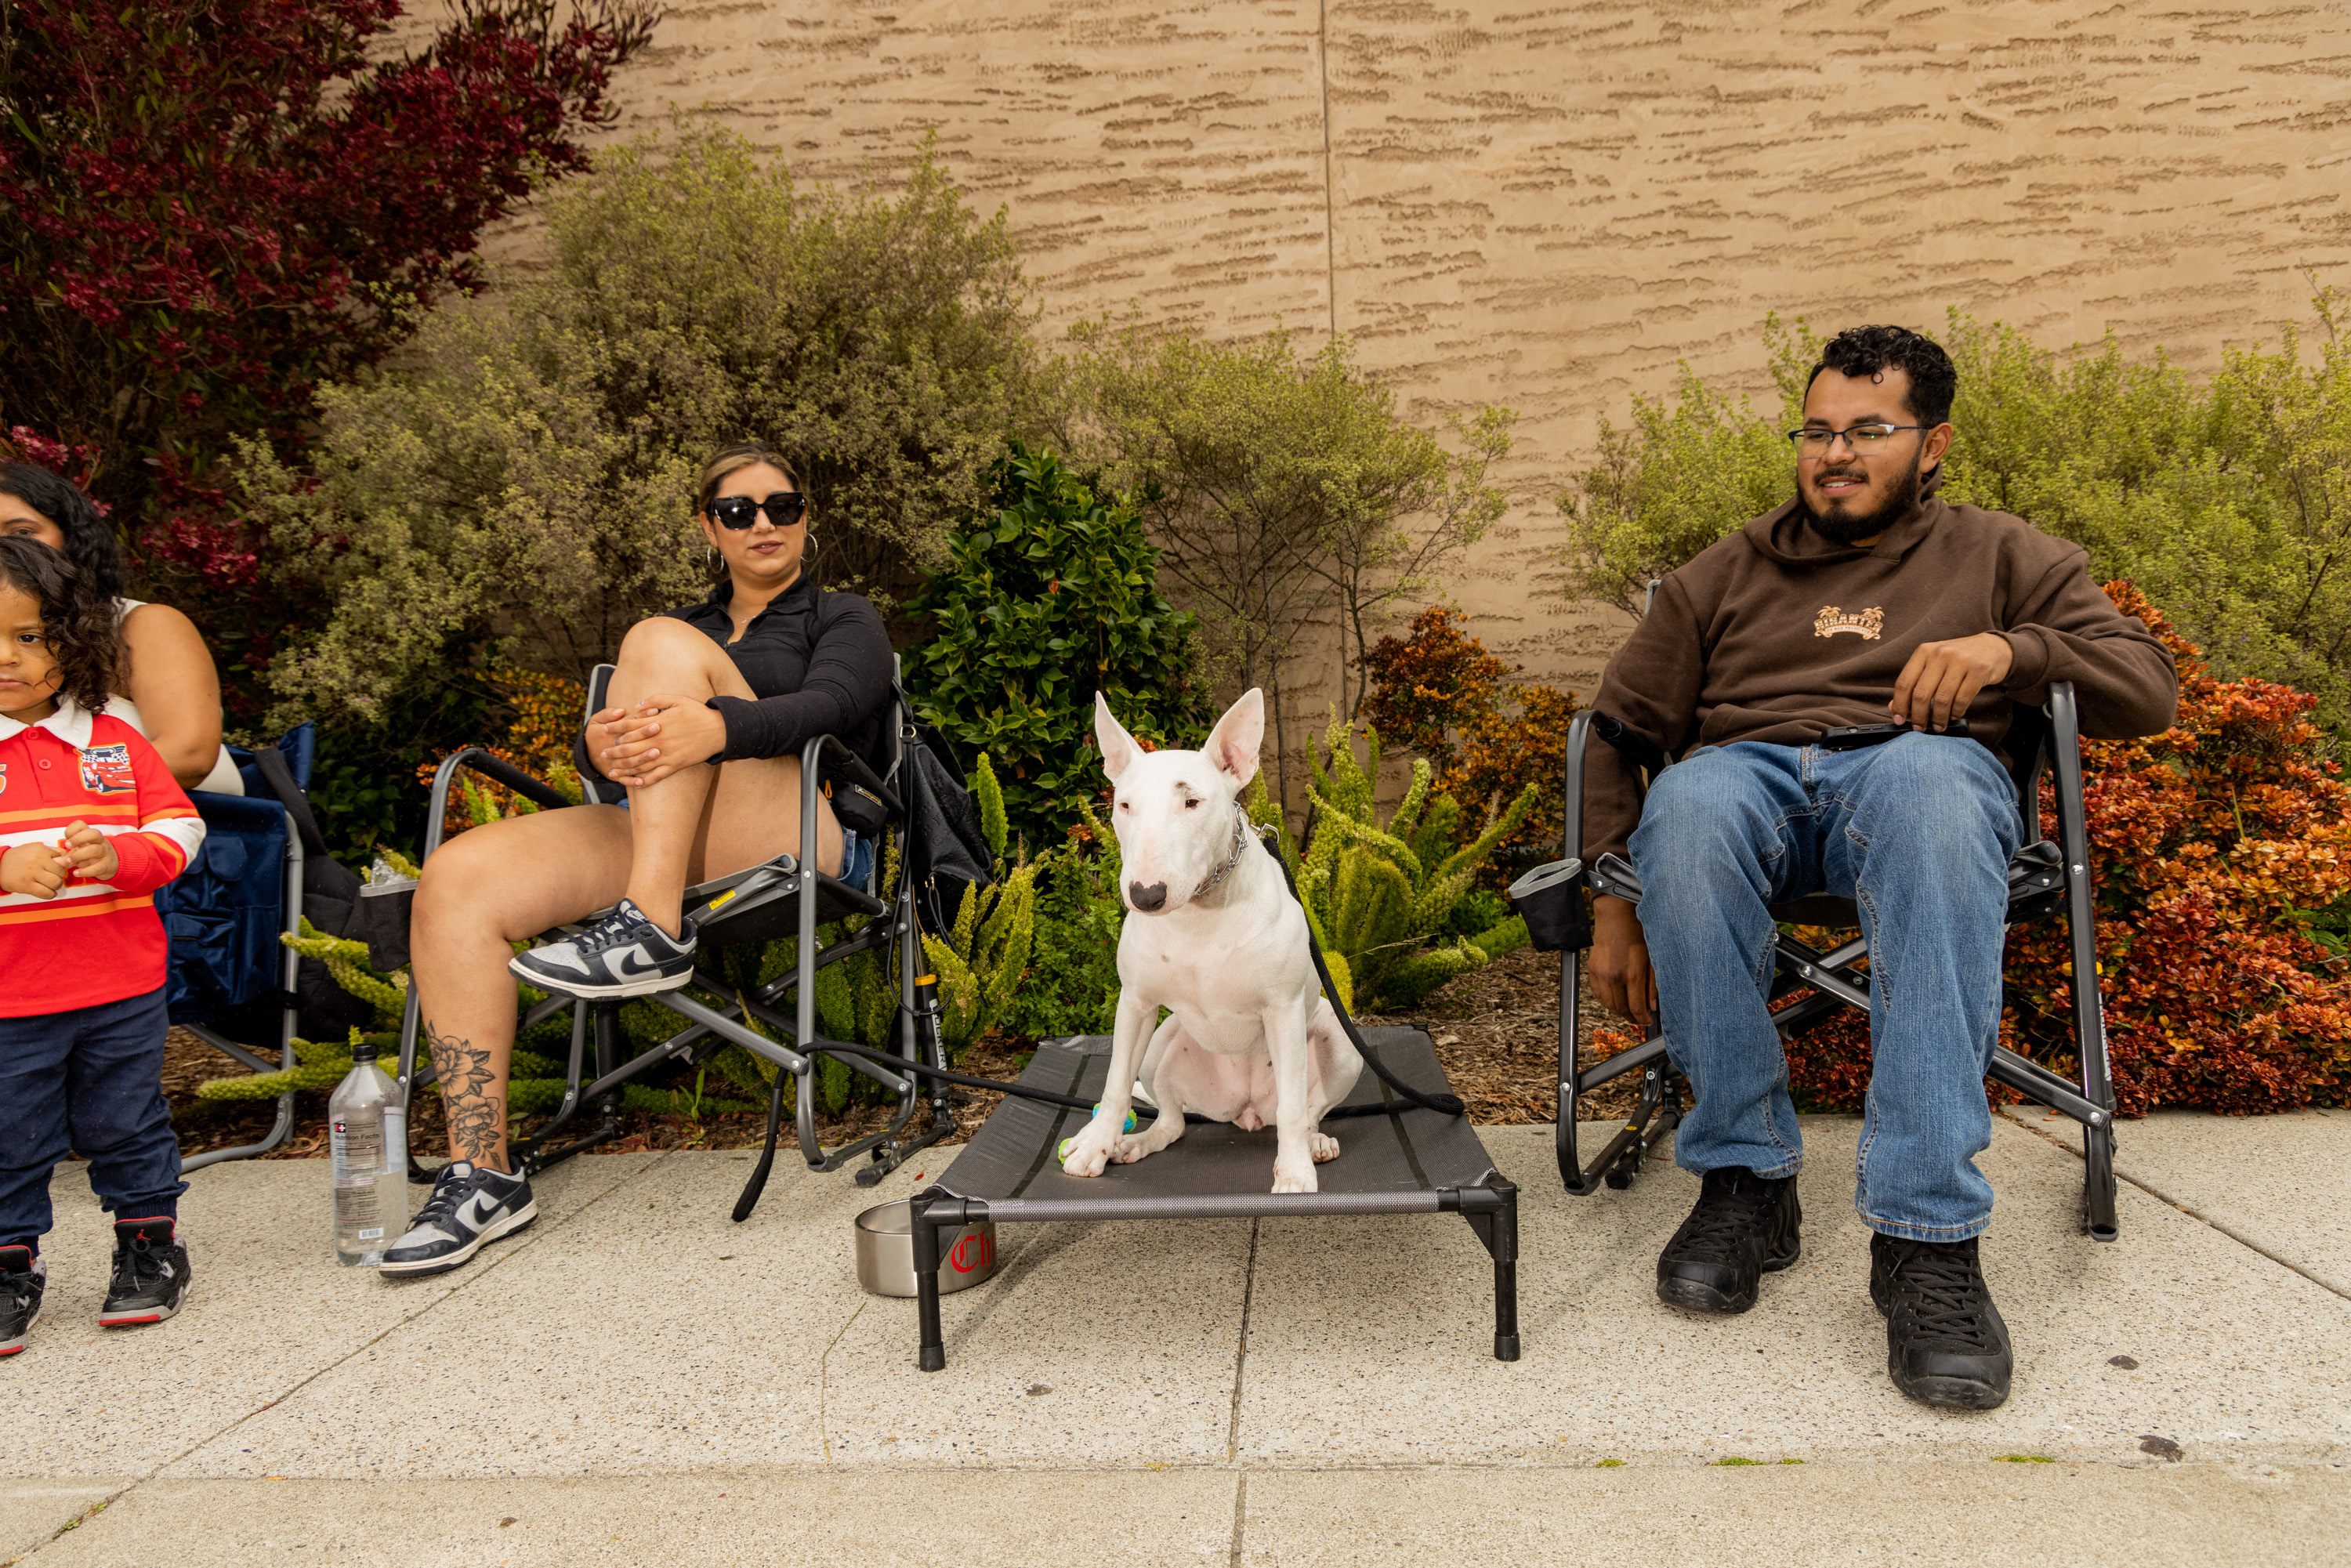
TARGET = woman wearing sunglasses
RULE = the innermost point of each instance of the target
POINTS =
(711, 703)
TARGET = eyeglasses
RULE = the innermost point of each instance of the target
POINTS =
(784, 508)
(1864, 439)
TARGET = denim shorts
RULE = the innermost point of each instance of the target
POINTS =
(856, 859)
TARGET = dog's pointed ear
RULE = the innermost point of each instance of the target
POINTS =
(1233, 745)
(1118, 747)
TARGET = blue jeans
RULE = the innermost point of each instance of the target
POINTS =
(1918, 832)
(90, 1081)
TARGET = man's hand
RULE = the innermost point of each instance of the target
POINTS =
(1942, 678)
(35, 869)
(647, 743)
(1621, 975)
(89, 852)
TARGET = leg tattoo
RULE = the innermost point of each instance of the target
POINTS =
(476, 1117)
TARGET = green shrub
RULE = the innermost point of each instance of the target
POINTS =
(520, 481)
(1282, 487)
(1050, 595)
(2227, 500)
(1072, 984)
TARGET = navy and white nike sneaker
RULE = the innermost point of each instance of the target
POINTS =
(471, 1206)
(622, 955)
(151, 1276)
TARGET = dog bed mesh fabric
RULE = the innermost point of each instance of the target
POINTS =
(1397, 1163)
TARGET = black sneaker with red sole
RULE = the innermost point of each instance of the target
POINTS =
(150, 1273)
(21, 1284)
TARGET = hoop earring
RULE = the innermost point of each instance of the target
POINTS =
(807, 557)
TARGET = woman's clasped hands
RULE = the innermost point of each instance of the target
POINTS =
(645, 743)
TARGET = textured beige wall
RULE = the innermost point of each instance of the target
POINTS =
(1549, 205)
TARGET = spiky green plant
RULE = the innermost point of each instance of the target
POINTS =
(980, 960)
(1377, 894)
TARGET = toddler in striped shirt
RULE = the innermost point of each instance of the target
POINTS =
(91, 823)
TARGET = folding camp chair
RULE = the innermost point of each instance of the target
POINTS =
(2043, 878)
(230, 980)
(780, 897)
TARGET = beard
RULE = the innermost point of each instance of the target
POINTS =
(1843, 525)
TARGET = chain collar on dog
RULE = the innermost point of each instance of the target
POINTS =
(1241, 842)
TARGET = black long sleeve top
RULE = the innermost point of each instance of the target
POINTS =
(817, 662)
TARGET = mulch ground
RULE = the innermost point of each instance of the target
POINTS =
(1497, 1032)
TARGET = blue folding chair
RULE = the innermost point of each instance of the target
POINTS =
(230, 982)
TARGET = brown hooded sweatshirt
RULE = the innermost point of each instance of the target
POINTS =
(1776, 634)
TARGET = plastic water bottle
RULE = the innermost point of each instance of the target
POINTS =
(368, 1129)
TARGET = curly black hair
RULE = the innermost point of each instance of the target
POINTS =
(91, 543)
(84, 633)
(1872, 350)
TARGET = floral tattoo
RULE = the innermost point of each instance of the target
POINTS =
(478, 1118)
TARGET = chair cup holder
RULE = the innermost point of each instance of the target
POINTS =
(1550, 898)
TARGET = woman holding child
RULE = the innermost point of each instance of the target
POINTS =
(710, 705)
(165, 686)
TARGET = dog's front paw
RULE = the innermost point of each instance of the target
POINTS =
(1326, 1147)
(1297, 1177)
(1090, 1150)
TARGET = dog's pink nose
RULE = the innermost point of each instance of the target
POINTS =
(1149, 900)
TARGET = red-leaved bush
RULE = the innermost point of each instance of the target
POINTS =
(207, 207)
(2219, 849)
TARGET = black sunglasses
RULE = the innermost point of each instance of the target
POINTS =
(784, 508)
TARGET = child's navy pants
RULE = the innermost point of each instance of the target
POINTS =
(91, 1082)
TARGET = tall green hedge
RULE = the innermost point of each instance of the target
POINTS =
(1050, 594)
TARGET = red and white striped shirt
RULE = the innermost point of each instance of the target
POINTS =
(95, 942)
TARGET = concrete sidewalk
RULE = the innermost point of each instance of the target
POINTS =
(637, 1379)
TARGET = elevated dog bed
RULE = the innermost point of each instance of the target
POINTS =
(1403, 1161)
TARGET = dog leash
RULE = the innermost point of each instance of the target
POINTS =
(1443, 1105)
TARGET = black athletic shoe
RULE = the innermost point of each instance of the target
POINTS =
(22, 1281)
(150, 1273)
(622, 955)
(471, 1206)
(1945, 1343)
(1744, 1226)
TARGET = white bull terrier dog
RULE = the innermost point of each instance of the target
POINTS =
(1212, 934)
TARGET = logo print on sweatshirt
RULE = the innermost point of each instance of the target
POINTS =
(3, 778)
(1864, 624)
(106, 769)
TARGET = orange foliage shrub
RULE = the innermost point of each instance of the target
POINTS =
(547, 710)
(2221, 857)
(1438, 691)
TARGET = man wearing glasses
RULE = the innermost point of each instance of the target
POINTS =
(1865, 600)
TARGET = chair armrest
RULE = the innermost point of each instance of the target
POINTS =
(1637, 748)
(827, 749)
(499, 771)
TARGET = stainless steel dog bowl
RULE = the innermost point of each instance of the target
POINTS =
(886, 1251)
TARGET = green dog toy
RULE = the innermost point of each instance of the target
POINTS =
(1064, 1153)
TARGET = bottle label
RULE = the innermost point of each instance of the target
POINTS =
(357, 1148)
